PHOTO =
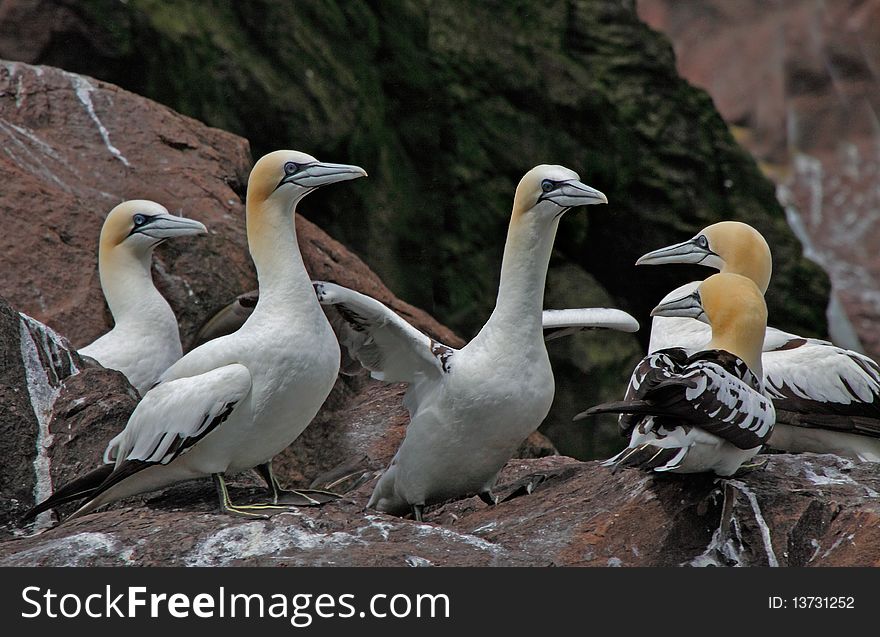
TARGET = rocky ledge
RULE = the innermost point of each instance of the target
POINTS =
(794, 511)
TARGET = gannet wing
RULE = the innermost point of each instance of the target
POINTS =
(717, 392)
(559, 323)
(713, 390)
(388, 346)
(814, 383)
(173, 416)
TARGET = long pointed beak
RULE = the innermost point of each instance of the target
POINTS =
(321, 174)
(688, 306)
(169, 226)
(685, 252)
(571, 193)
(689, 251)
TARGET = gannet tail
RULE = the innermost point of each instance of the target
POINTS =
(83, 487)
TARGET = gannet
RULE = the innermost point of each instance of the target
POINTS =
(469, 408)
(830, 394)
(145, 340)
(705, 411)
(235, 402)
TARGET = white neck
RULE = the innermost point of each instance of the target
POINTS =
(129, 290)
(285, 286)
(523, 275)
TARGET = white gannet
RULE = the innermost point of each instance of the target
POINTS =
(145, 340)
(705, 411)
(827, 398)
(235, 402)
(469, 408)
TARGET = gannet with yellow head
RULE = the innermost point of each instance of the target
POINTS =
(145, 340)
(237, 401)
(827, 398)
(469, 408)
(705, 411)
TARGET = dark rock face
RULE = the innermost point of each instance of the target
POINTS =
(798, 83)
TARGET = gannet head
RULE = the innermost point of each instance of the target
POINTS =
(139, 225)
(734, 306)
(729, 246)
(291, 175)
(546, 192)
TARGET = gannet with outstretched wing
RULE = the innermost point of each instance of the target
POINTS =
(235, 402)
(705, 411)
(145, 339)
(469, 408)
(827, 398)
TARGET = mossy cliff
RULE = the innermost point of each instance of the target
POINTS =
(447, 104)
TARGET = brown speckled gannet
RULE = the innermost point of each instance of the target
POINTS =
(706, 411)
(145, 339)
(827, 398)
(469, 408)
(237, 401)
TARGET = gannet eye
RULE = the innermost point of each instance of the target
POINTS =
(290, 168)
(702, 241)
(546, 185)
(139, 220)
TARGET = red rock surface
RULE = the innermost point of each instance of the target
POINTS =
(800, 81)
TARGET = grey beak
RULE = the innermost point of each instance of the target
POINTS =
(168, 226)
(689, 306)
(321, 174)
(571, 193)
(689, 251)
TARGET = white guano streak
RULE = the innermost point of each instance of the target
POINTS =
(42, 396)
(42, 393)
(84, 91)
(759, 518)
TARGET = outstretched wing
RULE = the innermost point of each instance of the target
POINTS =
(814, 383)
(559, 323)
(392, 349)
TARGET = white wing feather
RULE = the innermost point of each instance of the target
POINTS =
(177, 410)
(388, 346)
(816, 370)
(559, 323)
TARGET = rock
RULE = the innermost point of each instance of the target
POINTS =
(447, 105)
(59, 412)
(797, 82)
(804, 510)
